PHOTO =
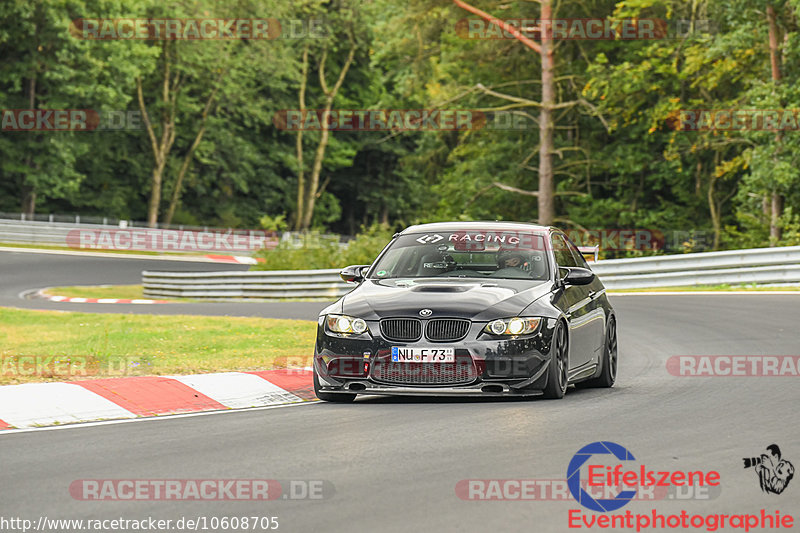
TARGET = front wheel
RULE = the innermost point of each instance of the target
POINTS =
(558, 368)
(334, 397)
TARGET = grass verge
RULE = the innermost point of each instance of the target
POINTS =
(136, 291)
(122, 292)
(147, 344)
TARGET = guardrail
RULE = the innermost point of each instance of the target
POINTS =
(48, 233)
(271, 285)
(55, 230)
(121, 237)
(735, 267)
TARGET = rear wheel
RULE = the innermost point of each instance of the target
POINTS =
(558, 368)
(608, 371)
(334, 397)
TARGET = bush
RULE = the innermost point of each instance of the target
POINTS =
(312, 251)
(366, 246)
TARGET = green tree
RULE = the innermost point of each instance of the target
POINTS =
(47, 67)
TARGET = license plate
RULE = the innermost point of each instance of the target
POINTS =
(423, 355)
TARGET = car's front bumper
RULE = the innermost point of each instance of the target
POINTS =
(475, 389)
(486, 366)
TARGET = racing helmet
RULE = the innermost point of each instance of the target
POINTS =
(505, 255)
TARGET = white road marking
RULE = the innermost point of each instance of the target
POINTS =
(31, 404)
(153, 418)
(237, 390)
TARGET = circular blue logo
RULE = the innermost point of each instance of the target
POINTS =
(574, 477)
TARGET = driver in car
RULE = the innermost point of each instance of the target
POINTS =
(510, 260)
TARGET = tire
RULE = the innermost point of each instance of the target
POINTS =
(608, 370)
(558, 367)
(334, 397)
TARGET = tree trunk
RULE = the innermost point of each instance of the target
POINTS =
(162, 146)
(776, 201)
(774, 221)
(772, 31)
(698, 179)
(29, 190)
(312, 191)
(546, 192)
(176, 193)
(28, 201)
(301, 176)
(155, 194)
(715, 214)
(546, 180)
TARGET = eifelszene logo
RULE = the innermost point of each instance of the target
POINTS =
(774, 473)
(602, 475)
(574, 477)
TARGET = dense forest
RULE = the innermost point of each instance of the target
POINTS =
(576, 131)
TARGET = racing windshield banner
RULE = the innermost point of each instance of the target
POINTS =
(480, 241)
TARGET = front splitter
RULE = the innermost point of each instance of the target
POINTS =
(479, 390)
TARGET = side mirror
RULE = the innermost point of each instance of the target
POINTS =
(578, 276)
(354, 273)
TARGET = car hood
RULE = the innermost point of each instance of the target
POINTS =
(463, 298)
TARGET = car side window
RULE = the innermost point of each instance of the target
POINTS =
(578, 255)
(564, 256)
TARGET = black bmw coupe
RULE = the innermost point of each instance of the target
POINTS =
(468, 309)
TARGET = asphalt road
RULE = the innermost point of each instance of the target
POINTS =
(395, 463)
(25, 271)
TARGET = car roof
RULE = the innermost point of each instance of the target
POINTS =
(493, 225)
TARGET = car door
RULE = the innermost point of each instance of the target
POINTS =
(595, 313)
(574, 301)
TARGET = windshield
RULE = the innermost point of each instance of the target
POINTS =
(467, 254)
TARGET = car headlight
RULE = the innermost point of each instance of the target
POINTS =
(346, 324)
(512, 326)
